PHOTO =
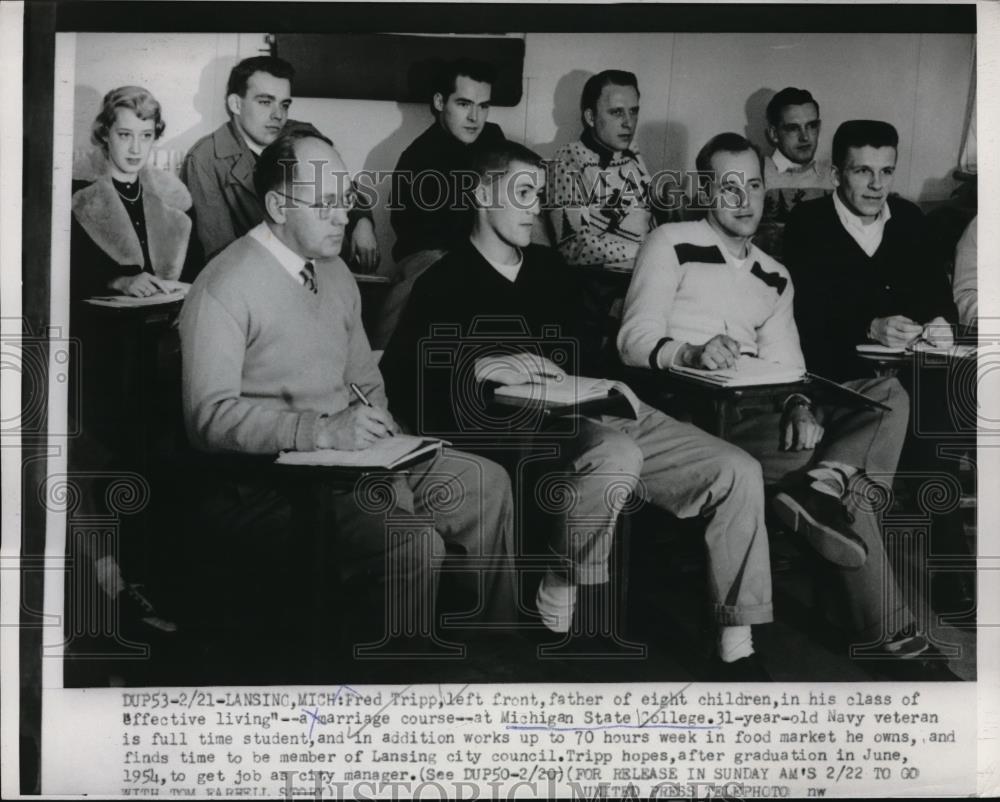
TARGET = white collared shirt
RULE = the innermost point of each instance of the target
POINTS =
(869, 237)
(254, 147)
(786, 165)
(286, 257)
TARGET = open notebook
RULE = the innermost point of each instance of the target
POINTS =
(749, 371)
(390, 453)
(177, 291)
(571, 394)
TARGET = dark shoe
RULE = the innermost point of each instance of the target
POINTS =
(135, 607)
(822, 521)
(746, 669)
(910, 657)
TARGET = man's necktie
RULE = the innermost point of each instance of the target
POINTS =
(308, 276)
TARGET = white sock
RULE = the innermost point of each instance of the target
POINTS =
(556, 599)
(735, 643)
(832, 477)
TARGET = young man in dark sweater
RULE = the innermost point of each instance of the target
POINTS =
(495, 294)
(859, 261)
(863, 274)
(431, 211)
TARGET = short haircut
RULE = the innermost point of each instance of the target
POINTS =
(276, 162)
(858, 134)
(596, 83)
(789, 96)
(445, 77)
(728, 143)
(497, 159)
(239, 76)
(134, 98)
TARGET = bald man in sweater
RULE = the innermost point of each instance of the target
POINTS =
(272, 342)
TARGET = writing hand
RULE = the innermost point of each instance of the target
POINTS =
(938, 333)
(356, 427)
(720, 352)
(896, 331)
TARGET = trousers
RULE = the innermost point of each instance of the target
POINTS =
(391, 535)
(871, 440)
(677, 467)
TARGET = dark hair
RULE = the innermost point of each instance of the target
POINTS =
(135, 98)
(239, 76)
(858, 134)
(729, 143)
(596, 83)
(446, 76)
(789, 96)
(496, 159)
(277, 160)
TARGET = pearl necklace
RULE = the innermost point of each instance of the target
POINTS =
(125, 197)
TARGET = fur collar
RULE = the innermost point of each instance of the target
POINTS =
(163, 184)
(101, 213)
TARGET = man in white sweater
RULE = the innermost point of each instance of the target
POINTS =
(703, 295)
(272, 345)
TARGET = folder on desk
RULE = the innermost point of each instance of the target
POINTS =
(388, 454)
(573, 395)
(749, 371)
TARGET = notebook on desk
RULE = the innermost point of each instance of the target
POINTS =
(875, 350)
(388, 454)
(574, 395)
(749, 371)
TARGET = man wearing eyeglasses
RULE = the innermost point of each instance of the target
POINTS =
(218, 169)
(273, 349)
(792, 173)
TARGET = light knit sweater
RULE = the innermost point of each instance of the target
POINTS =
(687, 288)
(600, 212)
(264, 358)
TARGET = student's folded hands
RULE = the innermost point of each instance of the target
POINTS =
(141, 285)
(521, 368)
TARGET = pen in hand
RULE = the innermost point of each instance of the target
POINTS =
(743, 351)
(364, 400)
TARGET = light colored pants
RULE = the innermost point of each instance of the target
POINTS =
(677, 467)
(870, 440)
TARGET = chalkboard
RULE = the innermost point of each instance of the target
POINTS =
(394, 67)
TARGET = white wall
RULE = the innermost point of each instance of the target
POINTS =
(693, 86)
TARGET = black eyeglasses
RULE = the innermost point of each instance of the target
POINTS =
(327, 208)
